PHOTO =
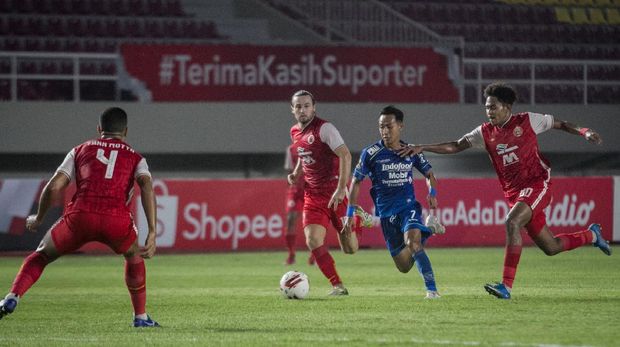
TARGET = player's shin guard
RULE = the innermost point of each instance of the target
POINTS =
(135, 278)
(575, 240)
(31, 270)
(511, 261)
(426, 270)
(290, 243)
(326, 264)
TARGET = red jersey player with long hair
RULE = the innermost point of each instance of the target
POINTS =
(326, 164)
(524, 174)
(104, 170)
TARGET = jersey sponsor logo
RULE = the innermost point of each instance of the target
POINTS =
(305, 156)
(518, 131)
(508, 154)
(397, 167)
(372, 150)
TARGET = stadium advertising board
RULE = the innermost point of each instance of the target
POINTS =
(266, 73)
(243, 215)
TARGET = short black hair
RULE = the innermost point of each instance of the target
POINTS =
(391, 109)
(505, 93)
(113, 120)
(303, 93)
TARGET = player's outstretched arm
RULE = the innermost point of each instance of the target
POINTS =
(344, 157)
(150, 211)
(439, 148)
(53, 190)
(589, 134)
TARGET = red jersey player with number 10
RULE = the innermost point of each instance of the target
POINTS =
(524, 174)
(104, 170)
(326, 164)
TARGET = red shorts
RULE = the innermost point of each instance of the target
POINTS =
(74, 230)
(294, 199)
(316, 211)
(537, 197)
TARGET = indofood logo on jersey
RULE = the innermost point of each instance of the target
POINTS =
(398, 171)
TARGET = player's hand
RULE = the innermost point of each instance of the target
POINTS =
(32, 223)
(347, 225)
(148, 251)
(432, 202)
(409, 150)
(291, 178)
(594, 137)
(337, 199)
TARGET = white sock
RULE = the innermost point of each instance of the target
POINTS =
(143, 316)
(12, 296)
(594, 237)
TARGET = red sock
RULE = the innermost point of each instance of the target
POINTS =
(511, 261)
(135, 278)
(574, 240)
(29, 273)
(326, 264)
(290, 243)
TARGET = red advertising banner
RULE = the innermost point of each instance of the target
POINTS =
(231, 215)
(269, 73)
(243, 215)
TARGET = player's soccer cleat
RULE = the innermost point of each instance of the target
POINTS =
(366, 219)
(433, 224)
(338, 291)
(145, 323)
(7, 306)
(600, 241)
(432, 294)
(290, 260)
(498, 290)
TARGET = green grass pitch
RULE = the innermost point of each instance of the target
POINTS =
(572, 299)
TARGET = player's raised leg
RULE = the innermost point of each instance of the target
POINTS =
(315, 238)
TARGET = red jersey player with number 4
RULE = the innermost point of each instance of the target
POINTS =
(326, 164)
(104, 170)
(510, 139)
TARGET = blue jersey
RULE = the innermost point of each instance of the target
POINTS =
(391, 176)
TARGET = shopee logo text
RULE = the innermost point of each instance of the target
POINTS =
(235, 228)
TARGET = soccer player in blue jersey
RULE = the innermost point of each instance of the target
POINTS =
(395, 203)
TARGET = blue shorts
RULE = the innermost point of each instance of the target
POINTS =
(395, 227)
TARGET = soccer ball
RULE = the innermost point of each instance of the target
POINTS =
(433, 224)
(294, 285)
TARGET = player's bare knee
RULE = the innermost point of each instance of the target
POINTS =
(415, 247)
(512, 225)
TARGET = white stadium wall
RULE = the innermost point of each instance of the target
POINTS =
(262, 127)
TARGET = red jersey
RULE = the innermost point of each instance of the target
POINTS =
(104, 171)
(315, 145)
(513, 149)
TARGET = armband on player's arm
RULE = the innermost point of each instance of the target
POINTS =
(351, 210)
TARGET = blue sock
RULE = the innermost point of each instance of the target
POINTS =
(426, 270)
